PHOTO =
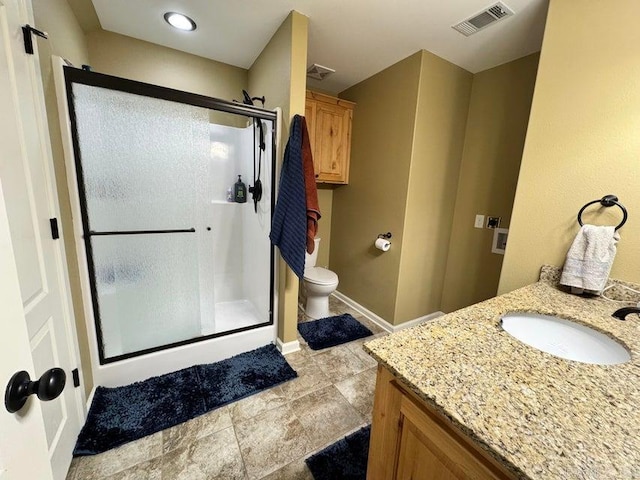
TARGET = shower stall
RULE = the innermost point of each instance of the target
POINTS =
(173, 271)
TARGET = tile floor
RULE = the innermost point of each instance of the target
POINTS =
(263, 437)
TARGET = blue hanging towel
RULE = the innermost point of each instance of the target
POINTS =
(289, 226)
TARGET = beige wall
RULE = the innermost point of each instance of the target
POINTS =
(441, 117)
(375, 199)
(67, 40)
(127, 57)
(583, 139)
(279, 73)
(496, 129)
(325, 200)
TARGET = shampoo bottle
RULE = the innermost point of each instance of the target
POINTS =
(240, 191)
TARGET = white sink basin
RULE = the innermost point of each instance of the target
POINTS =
(564, 338)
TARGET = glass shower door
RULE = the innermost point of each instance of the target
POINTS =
(139, 162)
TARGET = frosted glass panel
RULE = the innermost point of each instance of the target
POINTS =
(141, 159)
(148, 290)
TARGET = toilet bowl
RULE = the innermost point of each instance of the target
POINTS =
(319, 283)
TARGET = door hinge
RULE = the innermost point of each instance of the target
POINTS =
(55, 232)
(76, 377)
(27, 31)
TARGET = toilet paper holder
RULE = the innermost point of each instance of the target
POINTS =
(385, 235)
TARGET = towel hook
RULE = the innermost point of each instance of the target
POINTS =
(606, 201)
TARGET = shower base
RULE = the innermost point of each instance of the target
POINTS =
(233, 315)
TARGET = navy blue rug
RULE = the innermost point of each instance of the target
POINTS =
(344, 460)
(123, 414)
(332, 331)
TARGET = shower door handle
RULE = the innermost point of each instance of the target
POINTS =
(140, 232)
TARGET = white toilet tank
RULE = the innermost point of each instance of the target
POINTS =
(311, 259)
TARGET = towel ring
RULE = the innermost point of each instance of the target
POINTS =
(606, 201)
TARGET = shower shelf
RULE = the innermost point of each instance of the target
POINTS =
(220, 202)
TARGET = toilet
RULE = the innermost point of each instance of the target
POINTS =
(319, 283)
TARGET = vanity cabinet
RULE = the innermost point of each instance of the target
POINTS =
(329, 124)
(410, 440)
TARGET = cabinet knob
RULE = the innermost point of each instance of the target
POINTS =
(317, 175)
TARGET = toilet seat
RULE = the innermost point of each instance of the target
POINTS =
(320, 276)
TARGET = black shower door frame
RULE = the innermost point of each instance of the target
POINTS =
(76, 76)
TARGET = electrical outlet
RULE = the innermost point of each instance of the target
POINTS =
(479, 221)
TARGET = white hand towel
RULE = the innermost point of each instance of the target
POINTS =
(590, 258)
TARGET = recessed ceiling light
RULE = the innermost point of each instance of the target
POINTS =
(179, 21)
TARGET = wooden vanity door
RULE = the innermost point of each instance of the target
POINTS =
(432, 455)
(411, 442)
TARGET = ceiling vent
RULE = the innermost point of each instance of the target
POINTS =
(488, 16)
(318, 72)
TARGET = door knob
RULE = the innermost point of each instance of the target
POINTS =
(47, 387)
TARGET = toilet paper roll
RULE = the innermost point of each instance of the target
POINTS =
(383, 244)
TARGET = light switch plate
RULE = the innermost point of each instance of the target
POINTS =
(479, 221)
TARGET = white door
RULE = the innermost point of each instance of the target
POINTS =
(30, 200)
(23, 446)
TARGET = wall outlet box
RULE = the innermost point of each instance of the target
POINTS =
(479, 221)
(493, 222)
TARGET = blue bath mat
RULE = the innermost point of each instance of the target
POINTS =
(123, 414)
(344, 460)
(332, 331)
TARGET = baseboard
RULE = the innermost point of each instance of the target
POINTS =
(381, 322)
(90, 399)
(289, 347)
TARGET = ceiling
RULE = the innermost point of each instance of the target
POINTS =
(357, 38)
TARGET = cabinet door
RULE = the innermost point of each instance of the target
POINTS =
(332, 142)
(428, 450)
(410, 441)
(417, 459)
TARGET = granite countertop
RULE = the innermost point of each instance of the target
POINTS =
(542, 416)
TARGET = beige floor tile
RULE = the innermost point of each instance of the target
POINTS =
(310, 379)
(298, 359)
(363, 356)
(340, 362)
(271, 440)
(214, 457)
(256, 404)
(73, 469)
(326, 415)
(96, 467)
(151, 470)
(185, 433)
(359, 391)
(296, 470)
(338, 307)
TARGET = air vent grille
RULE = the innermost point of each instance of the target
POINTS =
(318, 72)
(499, 11)
(481, 20)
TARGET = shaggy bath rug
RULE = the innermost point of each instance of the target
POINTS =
(332, 331)
(344, 460)
(123, 414)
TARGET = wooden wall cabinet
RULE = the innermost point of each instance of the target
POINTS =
(329, 124)
(409, 440)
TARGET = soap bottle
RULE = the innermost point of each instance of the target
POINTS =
(240, 191)
(230, 195)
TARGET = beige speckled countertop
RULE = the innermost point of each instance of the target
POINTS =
(542, 416)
